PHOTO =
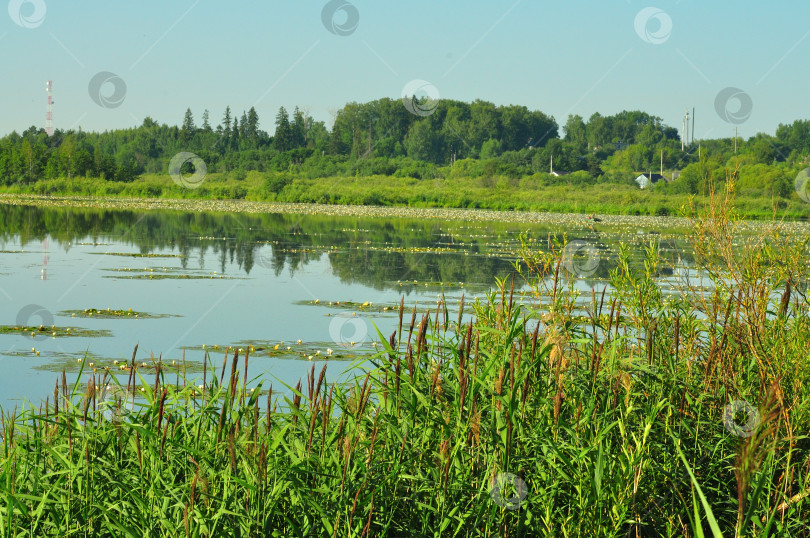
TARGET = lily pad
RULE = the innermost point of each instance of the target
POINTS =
(53, 331)
(112, 313)
(366, 306)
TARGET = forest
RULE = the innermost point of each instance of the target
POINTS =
(382, 138)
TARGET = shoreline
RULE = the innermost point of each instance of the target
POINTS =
(245, 206)
(449, 214)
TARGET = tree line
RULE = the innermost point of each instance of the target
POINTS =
(381, 137)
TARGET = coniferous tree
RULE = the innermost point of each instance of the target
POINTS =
(226, 128)
(188, 128)
(253, 127)
(283, 137)
(298, 129)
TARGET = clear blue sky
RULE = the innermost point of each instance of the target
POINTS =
(559, 57)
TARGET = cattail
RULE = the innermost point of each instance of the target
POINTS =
(56, 401)
(499, 386)
(232, 450)
(234, 376)
(224, 363)
(365, 393)
(185, 518)
(512, 367)
(247, 354)
(64, 389)
(475, 429)
(401, 312)
(311, 385)
(413, 320)
(320, 380)
(161, 407)
(296, 401)
(409, 359)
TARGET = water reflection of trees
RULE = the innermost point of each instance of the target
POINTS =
(373, 251)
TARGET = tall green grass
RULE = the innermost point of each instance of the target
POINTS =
(527, 420)
(496, 193)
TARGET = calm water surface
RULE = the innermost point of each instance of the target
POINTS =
(239, 280)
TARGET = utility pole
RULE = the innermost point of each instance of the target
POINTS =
(662, 163)
(693, 124)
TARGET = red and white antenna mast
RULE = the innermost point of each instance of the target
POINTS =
(49, 113)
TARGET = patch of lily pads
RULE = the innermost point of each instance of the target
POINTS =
(294, 350)
(163, 273)
(366, 306)
(53, 331)
(112, 313)
(87, 362)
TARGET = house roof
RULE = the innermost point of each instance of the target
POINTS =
(651, 177)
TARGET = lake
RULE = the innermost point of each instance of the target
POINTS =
(204, 281)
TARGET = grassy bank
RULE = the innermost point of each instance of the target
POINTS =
(656, 415)
(527, 194)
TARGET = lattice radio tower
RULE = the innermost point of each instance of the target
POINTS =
(49, 113)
